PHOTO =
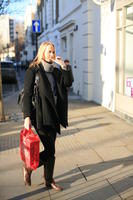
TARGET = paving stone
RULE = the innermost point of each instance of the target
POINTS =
(110, 153)
(94, 156)
(122, 182)
(85, 191)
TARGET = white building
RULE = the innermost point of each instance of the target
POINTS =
(8, 53)
(48, 13)
(70, 38)
(7, 31)
(97, 39)
(30, 41)
(109, 78)
(7, 36)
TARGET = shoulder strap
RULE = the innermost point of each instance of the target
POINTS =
(37, 76)
(37, 79)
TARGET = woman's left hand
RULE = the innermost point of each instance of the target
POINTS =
(60, 62)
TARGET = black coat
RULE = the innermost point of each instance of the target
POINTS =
(47, 113)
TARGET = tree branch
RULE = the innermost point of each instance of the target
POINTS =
(4, 6)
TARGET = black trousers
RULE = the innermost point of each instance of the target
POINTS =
(47, 157)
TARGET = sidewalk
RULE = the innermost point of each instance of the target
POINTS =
(94, 156)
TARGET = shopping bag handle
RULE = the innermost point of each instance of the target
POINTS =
(30, 132)
(26, 131)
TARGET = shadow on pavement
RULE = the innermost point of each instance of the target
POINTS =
(114, 179)
(12, 141)
(76, 130)
(29, 194)
(84, 120)
(101, 187)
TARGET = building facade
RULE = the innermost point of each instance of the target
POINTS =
(96, 38)
(124, 59)
(112, 63)
(29, 51)
(48, 13)
(7, 34)
(8, 53)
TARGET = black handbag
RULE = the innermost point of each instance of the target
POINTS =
(35, 95)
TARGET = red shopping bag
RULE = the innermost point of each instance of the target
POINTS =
(29, 148)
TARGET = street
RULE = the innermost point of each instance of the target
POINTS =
(10, 88)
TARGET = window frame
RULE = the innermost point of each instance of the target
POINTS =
(121, 5)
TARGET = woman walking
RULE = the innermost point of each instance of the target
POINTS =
(51, 107)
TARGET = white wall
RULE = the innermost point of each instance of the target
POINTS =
(70, 13)
(97, 56)
(4, 31)
(52, 32)
(67, 6)
(78, 12)
(93, 47)
(97, 47)
(86, 58)
(105, 76)
(28, 28)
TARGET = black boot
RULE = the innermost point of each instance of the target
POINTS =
(49, 170)
(48, 175)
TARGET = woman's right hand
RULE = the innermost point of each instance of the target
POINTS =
(59, 61)
(27, 123)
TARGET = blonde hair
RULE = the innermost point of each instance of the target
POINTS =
(40, 53)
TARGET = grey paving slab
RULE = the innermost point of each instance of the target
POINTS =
(11, 177)
(128, 140)
(111, 153)
(129, 198)
(130, 147)
(98, 191)
(70, 146)
(96, 138)
(108, 170)
(122, 182)
(94, 156)
(10, 127)
(86, 156)
(67, 173)
(32, 193)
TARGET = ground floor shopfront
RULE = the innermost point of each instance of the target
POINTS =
(124, 59)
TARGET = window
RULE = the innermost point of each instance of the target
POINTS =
(124, 67)
(46, 14)
(56, 41)
(64, 43)
(55, 12)
(129, 43)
